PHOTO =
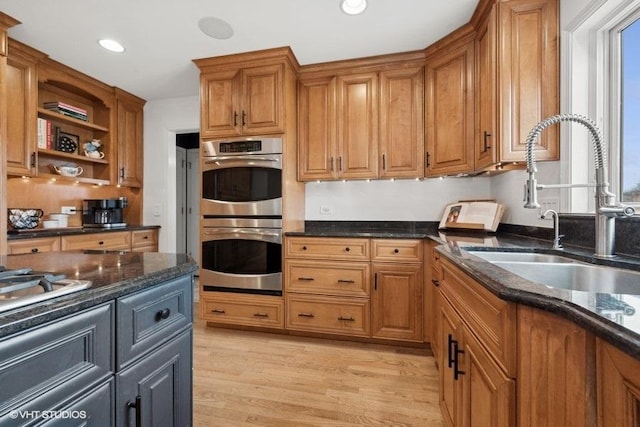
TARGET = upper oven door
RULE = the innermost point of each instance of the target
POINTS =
(242, 185)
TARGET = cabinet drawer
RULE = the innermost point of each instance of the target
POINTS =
(237, 309)
(396, 250)
(148, 318)
(321, 277)
(491, 319)
(43, 366)
(333, 315)
(119, 240)
(29, 246)
(141, 238)
(327, 248)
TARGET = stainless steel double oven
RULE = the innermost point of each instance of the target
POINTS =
(241, 206)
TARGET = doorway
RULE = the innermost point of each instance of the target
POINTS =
(188, 194)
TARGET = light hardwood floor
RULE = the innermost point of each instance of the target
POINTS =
(244, 378)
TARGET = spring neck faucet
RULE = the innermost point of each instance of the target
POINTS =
(607, 210)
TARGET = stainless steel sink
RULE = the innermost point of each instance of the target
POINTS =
(577, 276)
(565, 273)
(519, 257)
(18, 293)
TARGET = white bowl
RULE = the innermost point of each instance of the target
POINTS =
(62, 219)
(49, 223)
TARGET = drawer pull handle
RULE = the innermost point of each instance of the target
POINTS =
(34, 250)
(137, 405)
(146, 237)
(260, 315)
(216, 311)
(450, 342)
(163, 314)
(306, 315)
(456, 361)
(347, 319)
(396, 251)
(345, 281)
(304, 248)
(101, 242)
(347, 249)
(435, 282)
(306, 279)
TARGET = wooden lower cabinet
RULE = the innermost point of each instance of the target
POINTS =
(396, 301)
(242, 309)
(144, 241)
(32, 246)
(331, 315)
(618, 387)
(119, 240)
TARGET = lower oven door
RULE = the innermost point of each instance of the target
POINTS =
(242, 260)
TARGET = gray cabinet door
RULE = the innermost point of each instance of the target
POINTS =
(92, 409)
(156, 391)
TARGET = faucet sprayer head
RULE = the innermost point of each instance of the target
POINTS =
(531, 193)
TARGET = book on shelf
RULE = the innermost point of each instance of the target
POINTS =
(42, 133)
(472, 215)
(65, 106)
(67, 113)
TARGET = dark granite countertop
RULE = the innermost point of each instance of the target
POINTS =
(54, 232)
(367, 229)
(113, 274)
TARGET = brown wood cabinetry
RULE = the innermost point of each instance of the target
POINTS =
(431, 282)
(129, 110)
(355, 286)
(119, 240)
(362, 118)
(449, 104)
(396, 298)
(22, 83)
(238, 309)
(517, 80)
(618, 387)
(477, 344)
(144, 241)
(32, 246)
(245, 95)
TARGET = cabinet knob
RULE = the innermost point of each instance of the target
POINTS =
(304, 248)
(396, 251)
(101, 242)
(35, 250)
(163, 314)
(347, 249)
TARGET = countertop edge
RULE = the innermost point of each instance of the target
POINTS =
(70, 231)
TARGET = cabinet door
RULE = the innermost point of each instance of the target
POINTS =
(396, 301)
(317, 129)
(529, 74)
(357, 121)
(21, 85)
(449, 334)
(487, 138)
(450, 126)
(220, 104)
(262, 100)
(402, 123)
(157, 390)
(130, 140)
(488, 397)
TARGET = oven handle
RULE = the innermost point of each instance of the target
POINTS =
(232, 158)
(219, 233)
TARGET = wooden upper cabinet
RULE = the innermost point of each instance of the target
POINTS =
(22, 91)
(450, 110)
(357, 120)
(130, 138)
(517, 81)
(245, 101)
(317, 128)
(401, 123)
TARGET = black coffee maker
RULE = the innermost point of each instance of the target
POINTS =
(103, 213)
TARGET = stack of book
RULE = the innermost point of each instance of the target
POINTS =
(67, 110)
(47, 134)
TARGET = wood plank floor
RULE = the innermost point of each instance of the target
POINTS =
(244, 378)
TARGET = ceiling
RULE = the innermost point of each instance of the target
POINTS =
(162, 37)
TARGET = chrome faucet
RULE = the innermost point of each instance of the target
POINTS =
(607, 210)
(556, 228)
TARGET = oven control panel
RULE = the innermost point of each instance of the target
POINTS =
(242, 147)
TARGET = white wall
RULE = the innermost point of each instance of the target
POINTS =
(400, 200)
(162, 120)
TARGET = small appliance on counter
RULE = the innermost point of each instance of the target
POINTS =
(104, 213)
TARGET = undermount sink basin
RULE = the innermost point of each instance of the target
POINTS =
(519, 257)
(565, 273)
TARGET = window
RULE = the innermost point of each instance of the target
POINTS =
(630, 113)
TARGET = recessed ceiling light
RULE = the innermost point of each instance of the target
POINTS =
(353, 7)
(215, 27)
(111, 45)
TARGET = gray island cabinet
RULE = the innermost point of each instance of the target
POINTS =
(117, 354)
